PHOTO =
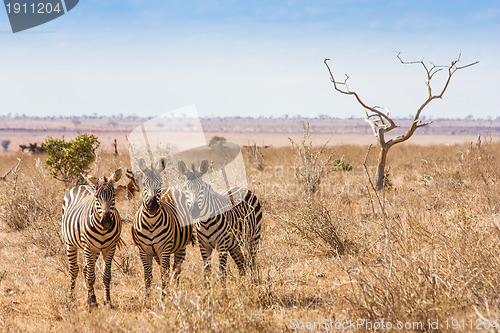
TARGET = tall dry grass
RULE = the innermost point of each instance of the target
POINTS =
(427, 251)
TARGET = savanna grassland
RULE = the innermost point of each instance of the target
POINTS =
(425, 249)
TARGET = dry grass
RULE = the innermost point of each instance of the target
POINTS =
(431, 252)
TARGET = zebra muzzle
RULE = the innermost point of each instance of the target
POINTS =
(195, 211)
(152, 205)
(107, 221)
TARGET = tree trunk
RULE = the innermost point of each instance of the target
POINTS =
(379, 177)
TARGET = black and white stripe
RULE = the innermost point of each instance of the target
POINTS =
(162, 226)
(127, 192)
(230, 222)
(91, 222)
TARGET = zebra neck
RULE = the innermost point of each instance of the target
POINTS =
(149, 218)
(94, 216)
(217, 203)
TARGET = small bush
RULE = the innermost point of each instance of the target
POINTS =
(310, 168)
(387, 180)
(217, 141)
(33, 148)
(35, 212)
(69, 161)
(340, 165)
(317, 224)
(5, 144)
(22, 210)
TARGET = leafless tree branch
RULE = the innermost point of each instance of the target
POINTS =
(378, 113)
(14, 169)
(380, 119)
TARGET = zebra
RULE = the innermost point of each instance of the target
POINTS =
(90, 222)
(162, 226)
(127, 191)
(223, 225)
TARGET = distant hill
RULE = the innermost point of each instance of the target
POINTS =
(242, 131)
(246, 125)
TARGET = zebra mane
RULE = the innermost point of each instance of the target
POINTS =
(102, 181)
(103, 186)
(193, 175)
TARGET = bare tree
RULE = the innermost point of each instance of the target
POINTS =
(380, 119)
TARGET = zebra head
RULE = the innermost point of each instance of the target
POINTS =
(104, 198)
(152, 183)
(197, 189)
(132, 185)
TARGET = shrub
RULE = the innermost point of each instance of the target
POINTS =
(310, 168)
(33, 148)
(321, 227)
(387, 180)
(217, 140)
(21, 210)
(69, 161)
(5, 144)
(29, 202)
(340, 165)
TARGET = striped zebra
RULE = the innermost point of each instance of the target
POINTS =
(127, 192)
(162, 226)
(91, 222)
(223, 225)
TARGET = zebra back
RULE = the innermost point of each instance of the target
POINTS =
(177, 202)
(238, 226)
(227, 219)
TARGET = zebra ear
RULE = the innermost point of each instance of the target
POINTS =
(182, 168)
(115, 176)
(142, 164)
(204, 167)
(129, 174)
(92, 180)
(138, 177)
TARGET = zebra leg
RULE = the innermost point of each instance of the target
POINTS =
(157, 259)
(222, 267)
(72, 253)
(165, 272)
(252, 250)
(206, 254)
(239, 259)
(108, 258)
(90, 259)
(178, 259)
(147, 263)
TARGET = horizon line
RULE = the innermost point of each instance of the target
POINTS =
(261, 117)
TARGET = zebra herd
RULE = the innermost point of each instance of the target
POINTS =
(164, 225)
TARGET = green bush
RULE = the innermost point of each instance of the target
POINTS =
(33, 148)
(339, 165)
(217, 140)
(69, 161)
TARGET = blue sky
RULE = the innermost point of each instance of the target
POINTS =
(250, 58)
